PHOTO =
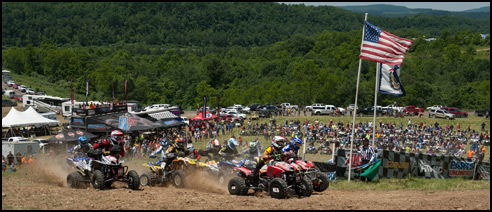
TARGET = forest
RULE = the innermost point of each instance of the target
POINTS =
(246, 53)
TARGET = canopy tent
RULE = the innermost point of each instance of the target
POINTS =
(126, 122)
(70, 135)
(27, 118)
(163, 115)
(208, 116)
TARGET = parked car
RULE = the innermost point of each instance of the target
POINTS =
(186, 120)
(351, 107)
(370, 111)
(16, 85)
(270, 108)
(18, 97)
(254, 106)
(30, 91)
(42, 142)
(435, 107)
(310, 107)
(236, 114)
(456, 111)
(10, 83)
(440, 113)
(324, 110)
(412, 110)
(8, 103)
(288, 106)
(391, 107)
(483, 112)
(264, 113)
(22, 88)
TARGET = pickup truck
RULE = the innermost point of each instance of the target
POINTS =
(310, 107)
(393, 108)
(288, 105)
(483, 112)
(370, 111)
(456, 111)
(412, 110)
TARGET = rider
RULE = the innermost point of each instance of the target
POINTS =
(253, 150)
(116, 140)
(177, 149)
(293, 146)
(214, 150)
(83, 146)
(193, 152)
(272, 152)
(229, 151)
(162, 149)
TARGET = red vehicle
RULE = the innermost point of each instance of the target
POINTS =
(456, 111)
(412, 110)
(279, 179)
(15, 85)
(18, 97)
(319, 180)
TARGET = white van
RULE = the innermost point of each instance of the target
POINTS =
(10, 93)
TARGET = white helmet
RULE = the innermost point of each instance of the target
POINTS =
(116, 137)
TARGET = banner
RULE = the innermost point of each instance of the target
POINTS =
(389, 81)
(204, 111)
(71, 87)
(86, 90)
(123, 124)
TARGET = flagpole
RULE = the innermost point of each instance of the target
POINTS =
(378, 66)
(355, 106)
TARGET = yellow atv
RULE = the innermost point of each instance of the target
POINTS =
(174, 172)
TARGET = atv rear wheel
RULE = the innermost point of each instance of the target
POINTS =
(133, 180)
(73, 179)
(148, 179)
(237, 186)
(278, 188)
(98, 180)
(320, 183)
(177, 179)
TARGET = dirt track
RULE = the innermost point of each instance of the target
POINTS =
(46, 189)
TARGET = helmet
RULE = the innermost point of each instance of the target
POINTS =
(163, 142)
(180, 142)
(116, 137)
(189, 146)
(278, 142)
(82, 141)
(297, 140)
(232, 143)
(216, 143)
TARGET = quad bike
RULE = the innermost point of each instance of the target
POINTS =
(279, 179)
(101, 172)
(319, 180)
(312, 149)
(174, 172)
(325, 149)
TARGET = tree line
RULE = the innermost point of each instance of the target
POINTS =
(303, 69)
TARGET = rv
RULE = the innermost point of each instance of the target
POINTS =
(43, 103)
(23, 145)
(10, 93)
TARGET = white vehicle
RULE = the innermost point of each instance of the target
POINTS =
(68, 107)
(20, 144)
(341, 109)
(391, 107)
(22, 88)
(9, 93)
(310, 107)
(435, 107)
(236, 114)
(43, 103)
(351, 107)
(10, 83)
(324, 110)
(288, 105)
(186, 120)
(42, 142)
(30, 91)
(157, 107)
(18, 139)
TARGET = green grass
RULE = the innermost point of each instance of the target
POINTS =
(413, 183)
(60, 88)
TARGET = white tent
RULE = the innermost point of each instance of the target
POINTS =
(29, 117)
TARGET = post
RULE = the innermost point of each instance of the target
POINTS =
(355, 106)
(375, 102)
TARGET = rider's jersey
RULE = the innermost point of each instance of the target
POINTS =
(83, 149)
(106, 145)
(270, 153)
(291, 147)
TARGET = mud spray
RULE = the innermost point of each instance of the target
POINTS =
(201, 181)
(49, 171)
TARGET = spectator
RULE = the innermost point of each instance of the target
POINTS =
(31, 160)
(10, 158)
(18, 158)
(483, 126)
(12, 168)
(470, 153)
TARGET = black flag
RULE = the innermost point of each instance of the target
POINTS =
(204, 113)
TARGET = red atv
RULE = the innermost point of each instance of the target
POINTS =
(319, 180)
(279, 179)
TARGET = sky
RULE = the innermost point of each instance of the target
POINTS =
(449, 6)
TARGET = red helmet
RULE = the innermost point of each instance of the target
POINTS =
(116, 137)
(180, 142)
(216, 143)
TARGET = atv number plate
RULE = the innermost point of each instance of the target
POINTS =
(276, 190)
(120, 172)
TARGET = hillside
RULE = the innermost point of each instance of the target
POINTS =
(195, 24)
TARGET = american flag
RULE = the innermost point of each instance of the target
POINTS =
(381, 46)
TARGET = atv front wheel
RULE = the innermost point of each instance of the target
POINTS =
(73, 179)
(237, 186)
(133, 180)
(278, 188)
(320, 183)
(306, 188)
(178, 178)
(148, 179)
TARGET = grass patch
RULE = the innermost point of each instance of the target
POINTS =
(413, 183)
